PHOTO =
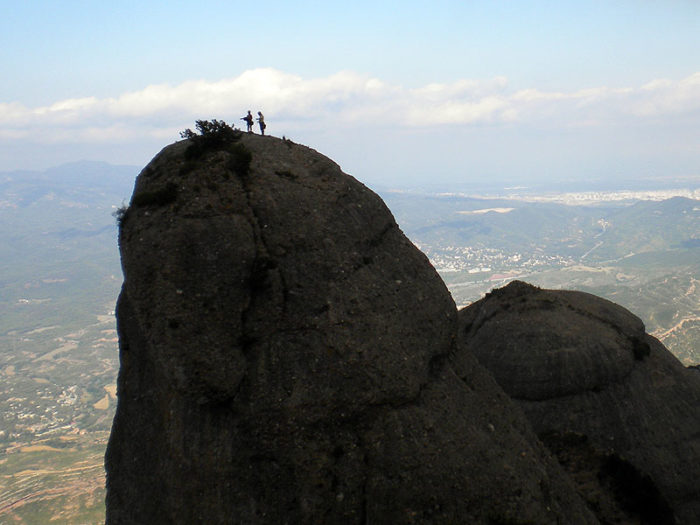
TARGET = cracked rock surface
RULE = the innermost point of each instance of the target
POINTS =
(288, 356)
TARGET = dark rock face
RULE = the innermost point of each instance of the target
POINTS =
(607, 398)
(288, 356)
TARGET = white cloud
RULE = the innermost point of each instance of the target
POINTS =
(343, 99)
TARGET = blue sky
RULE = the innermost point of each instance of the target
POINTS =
(398, 93)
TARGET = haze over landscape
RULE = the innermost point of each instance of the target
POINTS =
(552, 142)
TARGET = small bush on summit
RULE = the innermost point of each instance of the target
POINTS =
(216, 135)
(213, 135)
(212, 131)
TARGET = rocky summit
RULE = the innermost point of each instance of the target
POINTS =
(289, 356)
(621, 413)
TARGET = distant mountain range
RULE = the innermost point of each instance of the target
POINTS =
(86, 179)
(57, 227)
(610, 229)
(644, 255)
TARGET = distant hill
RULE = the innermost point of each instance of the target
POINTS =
(650, 226)
(58, 240)
(89, 181)
(598, 232)
(644, 255)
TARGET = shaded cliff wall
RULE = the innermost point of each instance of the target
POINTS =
(594, 385)
(288, 356)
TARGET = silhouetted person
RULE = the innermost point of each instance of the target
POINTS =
(249, 121)
(261, 121)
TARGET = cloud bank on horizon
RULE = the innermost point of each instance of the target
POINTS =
(394, 92)
(468, 128)
(345, 99)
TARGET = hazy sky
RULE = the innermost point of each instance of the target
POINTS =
(398, 93)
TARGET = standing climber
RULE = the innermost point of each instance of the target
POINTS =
(249, 121)
(261, 121)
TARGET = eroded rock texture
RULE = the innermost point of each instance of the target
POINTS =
(288, 356)
(621, 413)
